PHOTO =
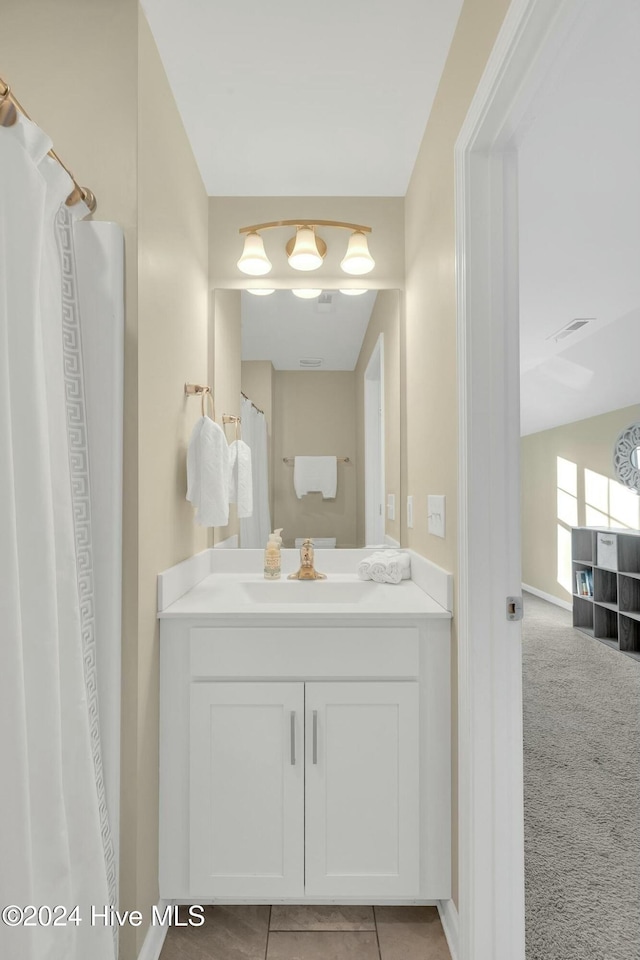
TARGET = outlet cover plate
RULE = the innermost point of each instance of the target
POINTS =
(410, 512)
(436, 515)
(391, 506)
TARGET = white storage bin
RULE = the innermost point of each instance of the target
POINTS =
(607, 550)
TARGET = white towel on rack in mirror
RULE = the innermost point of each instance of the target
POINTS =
(208, 473)
(240, 478)
(315, 475)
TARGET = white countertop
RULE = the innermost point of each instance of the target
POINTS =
(221, 595)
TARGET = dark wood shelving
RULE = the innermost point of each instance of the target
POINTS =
(612, 615)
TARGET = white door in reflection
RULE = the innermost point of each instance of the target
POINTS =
(374, 457)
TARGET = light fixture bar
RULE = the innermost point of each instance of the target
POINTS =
(305, 223)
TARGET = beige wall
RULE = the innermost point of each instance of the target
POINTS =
(258, 383)
(430, 306)
(385, 320)
(314, 415)
(172, 349)
(588, 444)
(226, 376)
(384, 214)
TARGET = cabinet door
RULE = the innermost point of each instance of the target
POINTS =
(362, 786)
(247, 790)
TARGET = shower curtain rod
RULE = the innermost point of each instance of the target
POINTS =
(9, 105)
(252, 403)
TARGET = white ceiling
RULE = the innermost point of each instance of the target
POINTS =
(579, 187)
(299, 99)
(283, 328)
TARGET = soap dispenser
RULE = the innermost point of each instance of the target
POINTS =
(272, 567)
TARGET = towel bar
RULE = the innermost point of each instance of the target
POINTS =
(339, 459)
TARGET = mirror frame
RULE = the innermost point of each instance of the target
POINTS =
(628, 472)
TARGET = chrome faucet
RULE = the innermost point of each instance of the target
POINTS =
(307, 570)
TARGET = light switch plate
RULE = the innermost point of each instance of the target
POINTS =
(436, 515)
(391, 506)
(410, 512)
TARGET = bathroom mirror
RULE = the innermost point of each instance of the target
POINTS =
(626, 457)
(325, 372)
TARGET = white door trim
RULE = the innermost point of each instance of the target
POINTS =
(491, 901)
(374, 446)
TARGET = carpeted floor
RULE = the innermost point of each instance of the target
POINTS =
(582, 792)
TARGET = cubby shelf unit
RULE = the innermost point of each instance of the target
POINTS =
(612, 559)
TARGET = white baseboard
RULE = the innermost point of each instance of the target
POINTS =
(549, 597)
(451, 926)
(154, 940)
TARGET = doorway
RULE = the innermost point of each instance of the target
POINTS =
(491, 825)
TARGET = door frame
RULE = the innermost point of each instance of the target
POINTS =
(374, 446)
(491, 817)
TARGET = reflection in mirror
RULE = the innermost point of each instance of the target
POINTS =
(635, 457)
(326, 372)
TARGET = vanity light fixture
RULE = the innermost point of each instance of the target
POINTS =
(306, 294)
(357, 260)
(254, 260)
(260, 291)
(354, 292)
(306, 250)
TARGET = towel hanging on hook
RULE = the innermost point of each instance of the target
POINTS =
(240, 475)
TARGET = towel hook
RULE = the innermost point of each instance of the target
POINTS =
(228, 418)
(197, 390)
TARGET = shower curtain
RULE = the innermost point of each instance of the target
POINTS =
(255, 530)
(55, 842)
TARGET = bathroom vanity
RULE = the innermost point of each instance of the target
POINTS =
(304, 736)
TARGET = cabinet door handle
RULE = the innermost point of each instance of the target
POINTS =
(293, 738)
(315, 736)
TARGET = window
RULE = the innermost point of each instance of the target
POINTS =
(609, 503)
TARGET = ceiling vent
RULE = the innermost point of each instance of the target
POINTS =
(309, 363)
(325, 303)
(570, 328)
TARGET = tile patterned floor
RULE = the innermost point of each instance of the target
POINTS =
(311, 933)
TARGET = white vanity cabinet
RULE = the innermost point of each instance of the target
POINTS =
(362, 834)
(246, 785)
(305, 761)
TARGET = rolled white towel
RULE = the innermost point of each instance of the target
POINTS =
(385, 566)
(365, 566)
(378, 571)
(399, 568)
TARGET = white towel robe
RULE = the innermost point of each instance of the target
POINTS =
(208, 473)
